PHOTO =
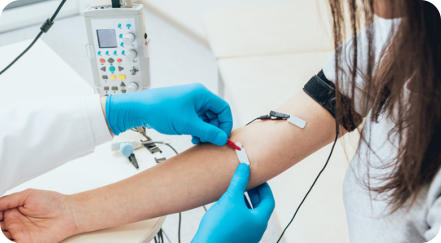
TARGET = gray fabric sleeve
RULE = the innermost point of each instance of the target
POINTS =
(433, 217)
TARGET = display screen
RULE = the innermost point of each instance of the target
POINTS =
(107, 38)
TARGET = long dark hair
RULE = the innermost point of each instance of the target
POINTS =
(411, 62)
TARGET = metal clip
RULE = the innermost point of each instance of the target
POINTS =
(279, 116)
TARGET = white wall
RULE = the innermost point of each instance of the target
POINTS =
(36, 13)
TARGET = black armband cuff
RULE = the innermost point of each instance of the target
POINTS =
(323, 91)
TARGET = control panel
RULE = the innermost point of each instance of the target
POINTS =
(118, 46)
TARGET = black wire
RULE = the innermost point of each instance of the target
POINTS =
(313, 184)
(48, 23)
(255, 119)
(169, 145)
(160, 236)
(179, 227)
(21, 54)
(57, 10)
(264, 117)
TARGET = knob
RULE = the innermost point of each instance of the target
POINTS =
(132, 54)
(126, 149)
(129, 37)
(132, 87)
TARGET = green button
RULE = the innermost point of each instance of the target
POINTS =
(112, 69)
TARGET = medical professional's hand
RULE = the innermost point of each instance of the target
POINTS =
(36, 216)
(230, 219)
(187, 109)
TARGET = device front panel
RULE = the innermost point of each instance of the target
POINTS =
(119, 55)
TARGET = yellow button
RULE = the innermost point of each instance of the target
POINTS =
(122, 77)
(112, 77)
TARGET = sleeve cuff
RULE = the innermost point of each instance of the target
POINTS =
(97, 120)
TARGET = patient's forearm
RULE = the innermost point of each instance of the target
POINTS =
(201, 174)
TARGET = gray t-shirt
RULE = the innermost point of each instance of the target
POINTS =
(368, 215)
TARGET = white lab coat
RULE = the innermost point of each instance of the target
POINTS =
(37, 136)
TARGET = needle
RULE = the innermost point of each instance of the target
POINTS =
(231, 144)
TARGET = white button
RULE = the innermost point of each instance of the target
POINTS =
(129, 37)
(132, 87)
(132, 54)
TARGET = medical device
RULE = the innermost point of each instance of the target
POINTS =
(118, 47)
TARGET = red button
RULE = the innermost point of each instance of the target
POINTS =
(119, 60)
(102, 60)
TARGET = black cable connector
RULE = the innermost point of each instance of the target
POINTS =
(273, 115)
(46, 25)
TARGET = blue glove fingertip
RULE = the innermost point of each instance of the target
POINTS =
(221, 138)
(195, 140)
(239, 182)
(267, 203)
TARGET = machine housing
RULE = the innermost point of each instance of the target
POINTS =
(118, 46)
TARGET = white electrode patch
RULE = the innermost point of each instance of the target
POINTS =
(296, 121)
(243, 158)
(242, 155)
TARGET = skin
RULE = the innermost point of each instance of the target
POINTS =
(191, 179)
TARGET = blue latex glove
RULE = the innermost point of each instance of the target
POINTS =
(187, 109)
(230, 220)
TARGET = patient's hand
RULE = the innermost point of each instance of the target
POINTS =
(37, 216)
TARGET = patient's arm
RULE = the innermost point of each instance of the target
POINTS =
(193, 178)
(201, 174)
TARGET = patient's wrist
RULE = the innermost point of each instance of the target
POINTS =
(81, 214)
(93, 210)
